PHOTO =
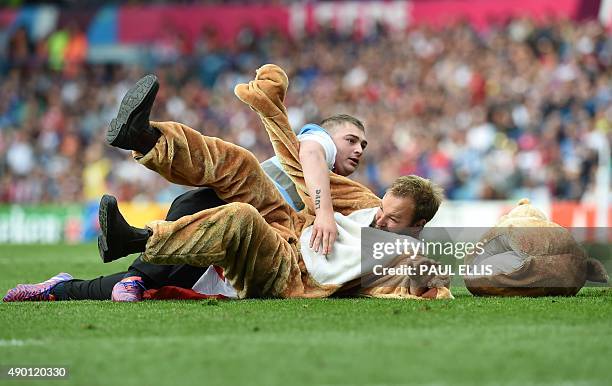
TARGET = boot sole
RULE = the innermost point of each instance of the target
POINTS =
(106, 202)
(143, 91)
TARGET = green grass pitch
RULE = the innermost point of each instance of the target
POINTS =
(466, 341)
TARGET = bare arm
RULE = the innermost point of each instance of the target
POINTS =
(316, 176)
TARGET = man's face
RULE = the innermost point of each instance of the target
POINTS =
(350, 143)
(396, 214)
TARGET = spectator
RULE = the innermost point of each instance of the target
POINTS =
(515, 110)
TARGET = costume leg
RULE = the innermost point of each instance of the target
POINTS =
(184, 156)
(181, 275)
(265, 95)
(154, 276)
(255, 258)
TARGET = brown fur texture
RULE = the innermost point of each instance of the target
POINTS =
(265, 96)
(554, 263)
(408, 286)
(255, 238)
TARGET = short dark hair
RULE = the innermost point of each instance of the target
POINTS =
(427, 195)
(330, 122)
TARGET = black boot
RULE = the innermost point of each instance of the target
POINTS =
(118, 238)
(130, 130)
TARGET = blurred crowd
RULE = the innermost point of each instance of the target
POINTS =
(517, 110)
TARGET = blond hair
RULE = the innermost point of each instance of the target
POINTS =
(427, 195)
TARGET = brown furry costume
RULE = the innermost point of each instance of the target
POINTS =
(546, 260)
(255, 238)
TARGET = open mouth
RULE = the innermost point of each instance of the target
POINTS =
(354, 160)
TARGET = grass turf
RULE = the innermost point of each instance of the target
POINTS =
(494, 341)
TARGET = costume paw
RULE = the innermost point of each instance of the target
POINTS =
(267, 92)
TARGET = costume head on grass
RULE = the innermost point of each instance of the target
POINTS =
(531, 256)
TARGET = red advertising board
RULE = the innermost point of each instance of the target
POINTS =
(191, 21)
(355, 17)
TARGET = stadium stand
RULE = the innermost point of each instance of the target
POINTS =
(516, 109)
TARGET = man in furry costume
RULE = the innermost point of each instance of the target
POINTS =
(258, 239)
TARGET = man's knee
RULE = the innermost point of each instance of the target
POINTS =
(242, 211)
(249, 161)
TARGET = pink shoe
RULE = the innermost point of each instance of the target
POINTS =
(36, 292)
(129, 289)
